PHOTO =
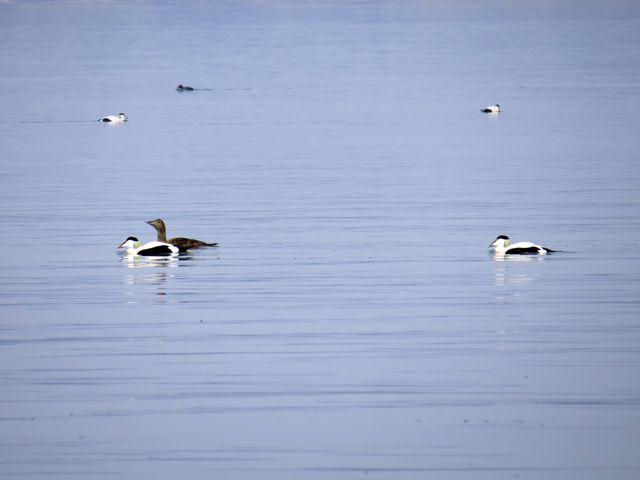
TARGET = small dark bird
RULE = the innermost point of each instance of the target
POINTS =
(184, 88)
(181, 242)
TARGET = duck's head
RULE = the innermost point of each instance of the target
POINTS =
(122, 117)
(502, 241)
(180, 87)
(130, 242)
(157, 223)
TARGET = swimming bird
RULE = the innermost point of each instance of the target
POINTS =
(503, 246)
(120, 118)
(181, 242)
(184, 88)
(149, 249)
(492, 109)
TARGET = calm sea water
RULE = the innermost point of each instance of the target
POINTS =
(351, 324)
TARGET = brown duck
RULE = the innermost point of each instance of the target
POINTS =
(181, 242)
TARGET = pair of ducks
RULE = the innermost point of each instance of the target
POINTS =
(502, 245)
(121, 117)
(162, 247)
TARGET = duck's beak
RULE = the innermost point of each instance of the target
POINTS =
(122, 244)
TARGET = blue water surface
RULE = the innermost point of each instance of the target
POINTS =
(351, 323)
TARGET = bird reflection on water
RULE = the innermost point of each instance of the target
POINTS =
(504, 275)
(146, 277)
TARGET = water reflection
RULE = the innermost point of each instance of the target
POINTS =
(143, 272)
(504, 274)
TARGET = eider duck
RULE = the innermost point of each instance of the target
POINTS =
(184, 88)
(503, 246)
(181, 242)
(149, 249)
(492, 109)
(120, 118)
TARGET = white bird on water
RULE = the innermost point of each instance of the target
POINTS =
(492, 109)
(149, 249)
(503, 246)
(120, 118)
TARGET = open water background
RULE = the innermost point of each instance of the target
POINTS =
(351, 324)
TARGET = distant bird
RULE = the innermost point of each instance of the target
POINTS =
(184, 88)
(503, 246)
(181, 242)
(492, 109)
(149, 249)
(120, 118)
